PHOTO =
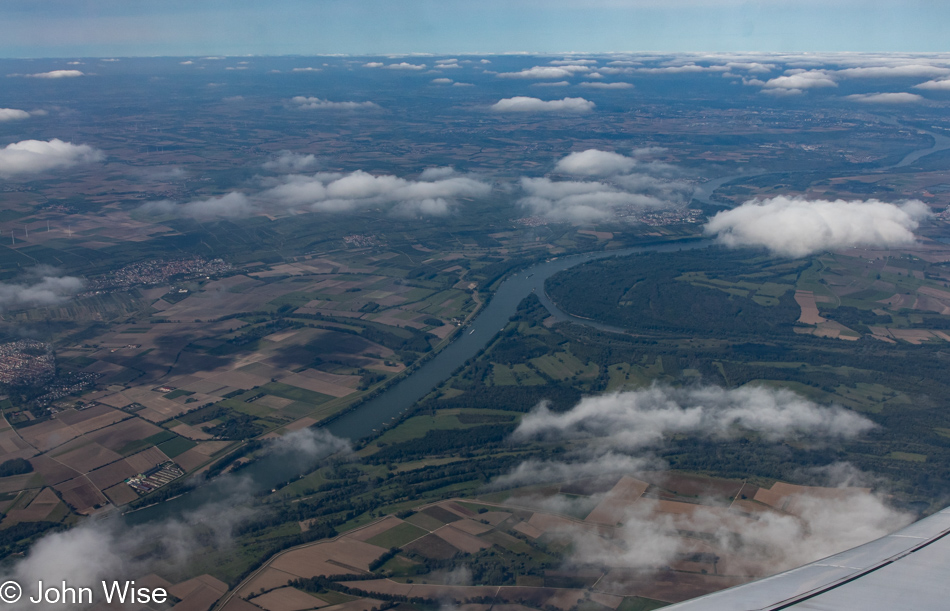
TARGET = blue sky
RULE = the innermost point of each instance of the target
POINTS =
(67, 28)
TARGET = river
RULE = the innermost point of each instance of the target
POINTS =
(375, 414)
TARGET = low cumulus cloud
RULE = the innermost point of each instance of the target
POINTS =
(935, 85)
(644, 418)
(770, 542)
(53, 74)
(343, 192)
(310, 103)
(625, 183)
(528, 104)
(802, 79)
(616, 85)
(435, 194)
(111, 549)
(288, 161)
(615, 434)
(885, 98)
(229, 206)
(32, 156)
(907, 70)
(43, 286)
(13, 114)
(593, 162)
(796, 227)
(688, 68)
(546, 72)
(405, 66)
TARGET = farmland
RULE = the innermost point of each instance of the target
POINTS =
(511, 551)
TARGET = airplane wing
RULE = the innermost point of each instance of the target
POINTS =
(908, 571)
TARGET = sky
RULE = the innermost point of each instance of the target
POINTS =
(102, 28)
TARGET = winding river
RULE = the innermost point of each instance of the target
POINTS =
(375, 414)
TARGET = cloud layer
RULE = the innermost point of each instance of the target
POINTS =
(528, 104)
(305, 103)
(796, 227)
(623, 183)
(886, 98)
(614, 433)
(644, 418)
(45, 288)
(13, 114)
(433, 195)
(111, 549)
(57, 74)
(288, 161)
(31, 156)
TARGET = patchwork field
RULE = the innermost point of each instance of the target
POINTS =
(516, 529)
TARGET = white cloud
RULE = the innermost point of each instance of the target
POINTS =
(405, 66)
(645, 418)
(307, 69)
(434, 194)
(109, 549)
(305, 103)
(617, 85)
(907, 70)
(795, 227)
(527, 104)
(571, 62)
(782, 93)
(57, 74)
(546, 72)
(935, 85)
(589, 201)
(373, 65)
(437, 173)
(287, 161)
(554, 84)
(441, 81)
(627, 183)
(339, 192)
(462, 85)
(752, 67)
(187, 62)
(45, 288)
(484, 61)
(682, 69)
(13, 114)
(31, 156)
(806, 79)
(593, 162)
(230, 205)
(822, 525)
(885, 98)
